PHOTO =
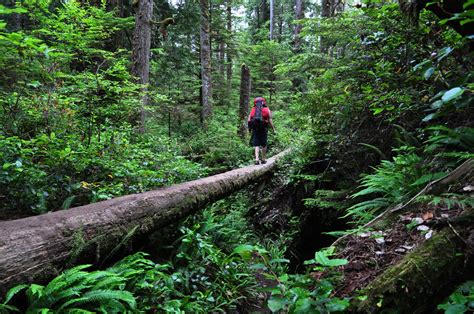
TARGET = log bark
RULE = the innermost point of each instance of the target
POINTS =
(141, 52)
(206, 87)
(244, 101)
(35, 248)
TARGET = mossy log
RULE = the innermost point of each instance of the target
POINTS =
(424, 277)
(36, 248)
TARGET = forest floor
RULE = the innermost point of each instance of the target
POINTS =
(370, 253)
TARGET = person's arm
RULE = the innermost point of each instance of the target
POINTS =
(270, 120)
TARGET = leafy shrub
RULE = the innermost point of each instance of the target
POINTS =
(460, 301)
(49, 172)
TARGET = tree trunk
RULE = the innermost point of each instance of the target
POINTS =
(35, 248)
(271, 19)
(141, 52)
(229, 51)
(298, 16)
(326, 11)
(244, 101)
(206, 87)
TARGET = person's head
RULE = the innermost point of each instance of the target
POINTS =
(260, 99)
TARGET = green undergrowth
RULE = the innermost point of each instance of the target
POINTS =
(51, 172)
(461, 300)
(220, 265)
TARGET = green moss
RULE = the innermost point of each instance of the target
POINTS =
(422, 274)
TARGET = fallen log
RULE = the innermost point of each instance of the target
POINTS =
(426, 276)
(36, 248)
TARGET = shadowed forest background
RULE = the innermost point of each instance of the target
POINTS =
(371, 211)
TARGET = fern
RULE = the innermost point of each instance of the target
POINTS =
(392, 182)
(450, 200)
(101, 297)
(455, 140)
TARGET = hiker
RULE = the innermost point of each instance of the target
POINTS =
(259, 118)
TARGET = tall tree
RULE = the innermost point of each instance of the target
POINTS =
(229, 49)
(206, 86)
(141, 52)
(326, 11)
(299, 14)
(271, 18)
(244, 100)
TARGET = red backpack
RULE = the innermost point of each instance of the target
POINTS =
(259, 116)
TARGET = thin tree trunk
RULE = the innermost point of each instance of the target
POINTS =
(35, 248)
(280, 23)
(244, 101)
(229, 50)
(299, 14)
(271, 19)
(141, 52)
(206, 86)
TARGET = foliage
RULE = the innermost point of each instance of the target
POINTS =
(461, 300)
(297, 293)
(393, 181)
(205, 275)
(50, 172)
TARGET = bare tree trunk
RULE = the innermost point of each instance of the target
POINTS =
(298, 16)
(244, 101)
(141, 52)
(229, 50)
(35, 248)
(280, 22)
(206, 86)
(271, 19)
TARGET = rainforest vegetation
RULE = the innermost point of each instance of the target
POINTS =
(110, 110)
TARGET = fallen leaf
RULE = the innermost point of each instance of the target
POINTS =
(468, 188)
(429, 234)
(380, 240)
(427, 216)
(422, 228)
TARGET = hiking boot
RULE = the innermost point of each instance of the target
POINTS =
(264, 161)
(257, 162)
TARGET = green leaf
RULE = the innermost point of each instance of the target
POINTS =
(275, 303)
(13, 291)
(244, 248)
(437, 104)
(428, 177)
(429, 117)
(428, 73)
(322, 259)
(452, 94)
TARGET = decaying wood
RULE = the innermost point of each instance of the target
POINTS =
(428, 273)
(36, 248)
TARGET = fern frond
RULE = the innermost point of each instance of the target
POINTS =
(100, 296)
(13, 291)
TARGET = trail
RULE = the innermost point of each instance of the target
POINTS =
(36, 248)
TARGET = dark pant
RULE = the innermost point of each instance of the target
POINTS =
(259, 137)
